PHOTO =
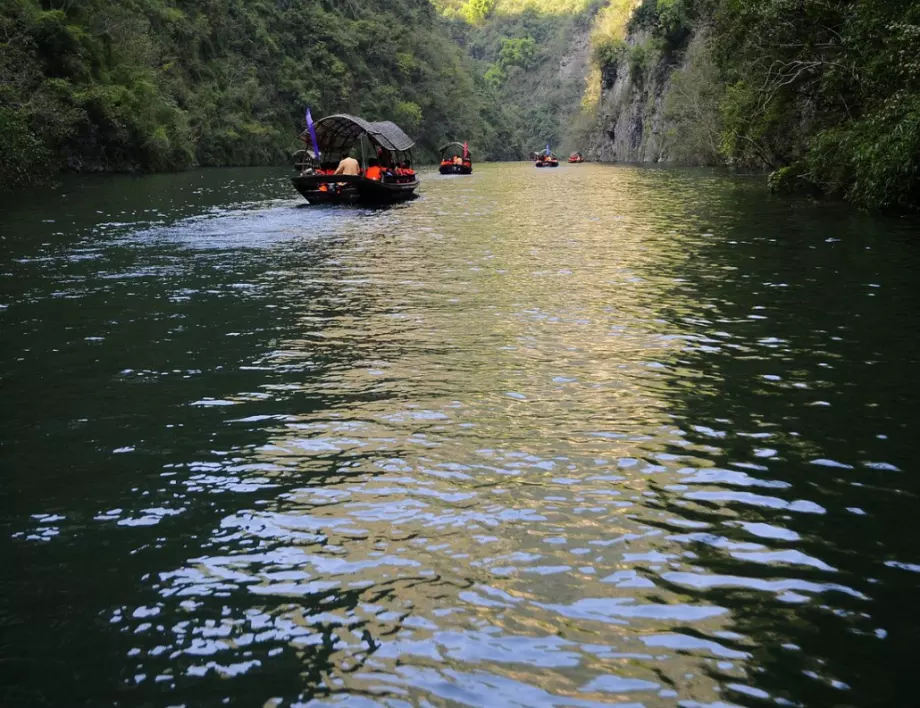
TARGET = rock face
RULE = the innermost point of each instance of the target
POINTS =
(630, 120)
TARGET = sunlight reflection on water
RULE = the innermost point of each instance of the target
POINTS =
(534, 439)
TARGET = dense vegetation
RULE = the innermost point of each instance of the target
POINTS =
(829, 92)
(824, 92)
(528, 51)
(165, 84)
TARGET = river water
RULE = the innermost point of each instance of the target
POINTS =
(593, 436)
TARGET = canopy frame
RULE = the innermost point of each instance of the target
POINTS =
(338, 134)
(444, 148)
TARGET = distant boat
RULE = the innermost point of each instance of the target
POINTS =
(575, 158)
(546, 159)
(455, 159)
(336, 137)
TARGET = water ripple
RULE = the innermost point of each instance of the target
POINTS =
(602, 437)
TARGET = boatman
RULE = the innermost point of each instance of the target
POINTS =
(348, 166)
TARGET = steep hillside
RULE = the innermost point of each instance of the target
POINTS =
(824, 94)
(165, 84)
(535, 54)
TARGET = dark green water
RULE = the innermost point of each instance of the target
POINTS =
(581, 437)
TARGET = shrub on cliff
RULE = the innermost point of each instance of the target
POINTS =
(830, 88)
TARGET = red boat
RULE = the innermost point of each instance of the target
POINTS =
(575, 158)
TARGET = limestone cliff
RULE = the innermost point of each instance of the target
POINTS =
(629, 124)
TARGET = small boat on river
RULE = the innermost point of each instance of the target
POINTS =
(384, 152)
(547, 160)
(575, 158)
(455, 159)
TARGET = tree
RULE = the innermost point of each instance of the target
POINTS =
(478, 11)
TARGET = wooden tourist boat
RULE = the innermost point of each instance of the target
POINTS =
(547, 161)
(335, 137)
(575, 158)
(455, 159)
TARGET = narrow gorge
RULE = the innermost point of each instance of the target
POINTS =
(824, 96)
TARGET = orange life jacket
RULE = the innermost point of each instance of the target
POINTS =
(374, 172)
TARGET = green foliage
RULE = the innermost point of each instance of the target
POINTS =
(494, 76)
(829, 89)
(168, 84)
(669, 20)
(607, 53)
(692, 119)
(408, 115)
(874, 161)
(674, 18)
(518, 52)
(21, 152)
(790, 180)
(478, 11)
(639, 55)
(526, 56)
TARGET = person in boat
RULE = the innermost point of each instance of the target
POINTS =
(325, 168)
(348, 166)
(374, 170)
(404, 171)
(384, 158)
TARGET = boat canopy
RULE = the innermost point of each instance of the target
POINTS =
(336, 134)
(459, 146)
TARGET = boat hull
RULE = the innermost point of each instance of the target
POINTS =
(456, 169)
(547, 164)
(352, 189)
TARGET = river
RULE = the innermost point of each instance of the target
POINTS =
(591, 436)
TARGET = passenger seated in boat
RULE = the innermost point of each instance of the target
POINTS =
(325, 168)
(384, 158)
(348, 166)
(404, 173)
(374, 170)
